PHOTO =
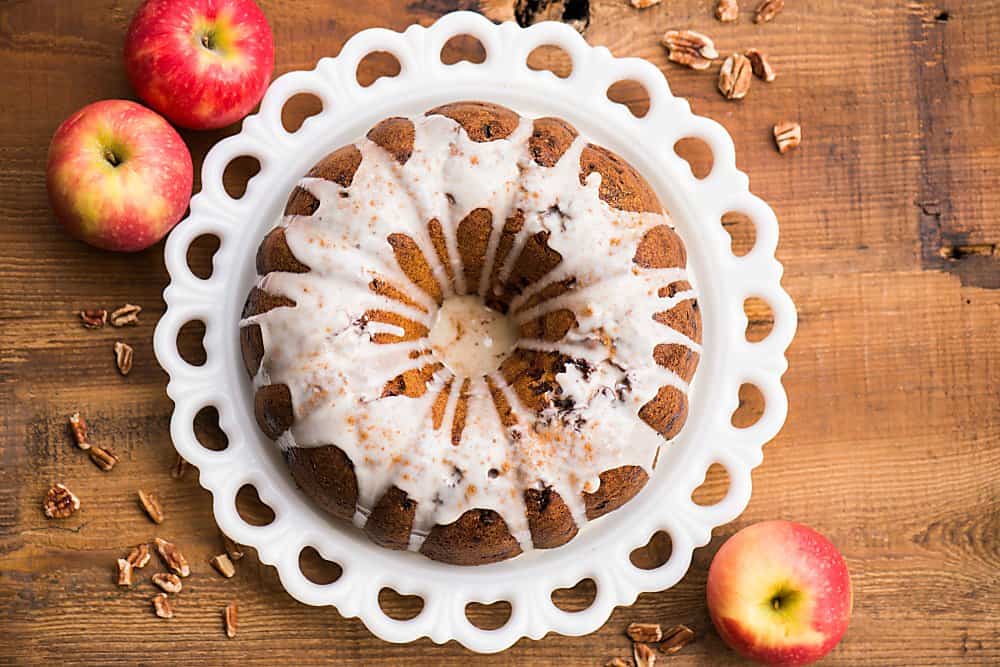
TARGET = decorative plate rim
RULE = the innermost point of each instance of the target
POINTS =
(601, 551)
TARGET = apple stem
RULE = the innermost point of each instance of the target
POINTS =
(208, 41)
(112, 158)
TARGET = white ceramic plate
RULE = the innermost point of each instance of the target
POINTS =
(601, 550)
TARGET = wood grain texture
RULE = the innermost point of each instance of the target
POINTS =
(892, 446)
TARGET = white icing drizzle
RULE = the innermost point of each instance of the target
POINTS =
(323, 348)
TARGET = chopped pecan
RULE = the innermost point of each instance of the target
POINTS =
(151, 504)
(139, 556)
(643, 655)
(172, 556)
(123, 357)
(93, 318)
(79, 427)
(167, 582)
(229, 617)
(105, 459)
(124, 573)
(234, 550)
(616, 662)
(767, 10)
(127, 315)
(161, 605)
(690, 48)
(180, 467)
(643, 4)
(644, 632)
(727, 11)
(787, 135)
(676, 638)
(223, 565)
(761, 66)
(60, 502)
(735, 77)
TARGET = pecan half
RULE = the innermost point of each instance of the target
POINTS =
(93, 318)
(139, 556)
(760, 65)
(124, 573)
(230, 619)
(123, 357)
(643, 655)
(727, 11)
(161, 605)
(172, 556)
(180, 467)
(644, 632)
(787, 135)
(167, 582)
(105, 459)
(735, 77)
(79, 428)
(151, 504)
(676, 638)
(643, 4)
(223, 565)
(767, 10)
(60, 502)
(233, 550)
(126, 316)
(690, 48)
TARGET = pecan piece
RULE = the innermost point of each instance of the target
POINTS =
(60, 502)
(616, 662)
(167, 582)
(93, 318)
(767, 10)
(180, 467)
(727, 11)
(126, 316)
(105, 459)
(643, 4)
(644, 632)
(151, 504)
(787, 135)
(123, 357)
(223, 565)
(139, 556)
(161, 605)
(760, 65)
(643, 655)
(229, 618)
(172, 556)
(690, 48)
(676, 638)
(735, 77)
(233, 550)
(79, 428)
(124, 573)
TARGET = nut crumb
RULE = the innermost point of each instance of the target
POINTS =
(787, 135)
(643, 4)
(105, 459)
(230, 619)
(78, 426)
(123, 357)
(233, 550)
(161, 605)
(767, 10)
(643, 655)
(676, 638)
(760, 65)
(139, 556)
(180, 467)
(60, 502)
(151, 504)
(126, 316)
(735, 77)
(167, 582)
(172, 556)
(727, 11)
(690, 48)
(124, 573)
(93, 318)
(644, 632)
(616, 662)
(223, 565)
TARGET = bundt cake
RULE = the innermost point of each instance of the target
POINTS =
(471, 333)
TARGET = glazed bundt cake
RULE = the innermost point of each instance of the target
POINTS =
(472, 332)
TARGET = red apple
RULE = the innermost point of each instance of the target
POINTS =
(201, 63)
(119, 176)
(779, 593)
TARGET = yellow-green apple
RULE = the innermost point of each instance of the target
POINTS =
(779, 593)
(201, 63)
(119, 176)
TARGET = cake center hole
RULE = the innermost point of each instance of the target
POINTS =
(470, 338)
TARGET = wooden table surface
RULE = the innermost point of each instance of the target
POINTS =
(888, 236)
